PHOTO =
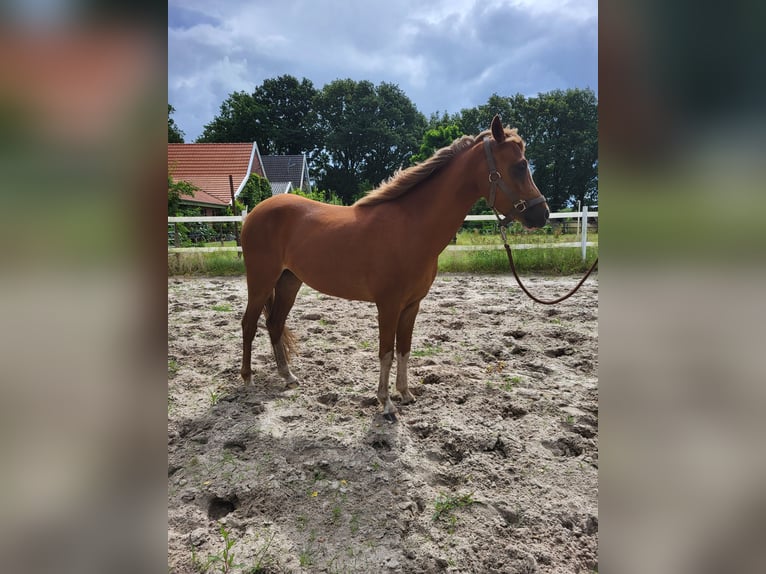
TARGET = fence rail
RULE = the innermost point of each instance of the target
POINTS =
(582, 216)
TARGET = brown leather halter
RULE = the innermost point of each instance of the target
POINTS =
(496, 180)
(521, 205)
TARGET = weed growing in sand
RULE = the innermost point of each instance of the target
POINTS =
(224, 307)
(214, 397)
(510, 382)
(354, 523)
(336, 511)
(263, 558)
(306, 556)
(172, 367)
(224, 560)
(427, 351)
(445, 506)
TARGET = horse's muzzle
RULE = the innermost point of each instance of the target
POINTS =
(536, 216)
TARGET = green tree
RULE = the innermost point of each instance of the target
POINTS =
(322, 196)
(560, 129)
(367, 133)
(435, 139)
(563, 146)
(175, 135)
(255, 191)
(290, 123)
(279, 115)
(240, 119)
(175, 190)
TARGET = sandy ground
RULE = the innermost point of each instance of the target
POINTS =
(493, 469)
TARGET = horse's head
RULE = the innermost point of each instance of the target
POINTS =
(511, 190)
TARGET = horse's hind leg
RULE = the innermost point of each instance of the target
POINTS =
(260, 288)
(249, 326)
(282, 340)
(403, 345)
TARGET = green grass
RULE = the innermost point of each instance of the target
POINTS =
(427, 351)
(561, 261)
(215, 264)
(446, 505)
(556, 261)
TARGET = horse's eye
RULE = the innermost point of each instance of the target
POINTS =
(520, 168)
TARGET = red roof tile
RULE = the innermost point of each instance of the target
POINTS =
(208, 166)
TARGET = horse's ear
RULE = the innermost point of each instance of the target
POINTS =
(497, 129)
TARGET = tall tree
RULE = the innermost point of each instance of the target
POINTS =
(240, 119)
(563, 146)
(368, 132)
(560, 129)
(290, 122)
(279, 115)
(175, 135)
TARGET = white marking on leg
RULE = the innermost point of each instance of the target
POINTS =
(385, 370)
(283, 368)
(401, 378)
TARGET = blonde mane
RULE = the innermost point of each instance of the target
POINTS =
(404, 180)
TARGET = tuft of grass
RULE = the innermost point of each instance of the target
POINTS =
(214, 398)
(446, 504)
(336, 512)
(172, 367)
(225, 307)
(427, 351)
(510, 382)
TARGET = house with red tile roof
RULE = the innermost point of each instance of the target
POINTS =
(208, 166)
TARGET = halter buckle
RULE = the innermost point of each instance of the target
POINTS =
(495, 176)
(521, 206)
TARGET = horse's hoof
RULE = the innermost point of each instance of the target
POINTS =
(407, 399)
(248, 380)
(390, 417)
(292, 383)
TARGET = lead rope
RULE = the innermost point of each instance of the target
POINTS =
(518, 279)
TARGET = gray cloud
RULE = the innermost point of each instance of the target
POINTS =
(445, 55)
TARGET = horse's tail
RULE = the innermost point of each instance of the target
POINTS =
(288, 341)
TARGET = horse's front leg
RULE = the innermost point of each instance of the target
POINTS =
(403, 345)
(387, 322)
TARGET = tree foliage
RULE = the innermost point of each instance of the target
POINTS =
(367, 133)
(435, 139)
(279, 115)
(255, 191)
(356, 134)
(239, 120)
(175, 190)
(175, 135)
(560, 129)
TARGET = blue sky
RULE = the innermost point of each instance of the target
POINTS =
(445, 55)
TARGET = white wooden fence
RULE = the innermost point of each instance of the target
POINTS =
(581, 216)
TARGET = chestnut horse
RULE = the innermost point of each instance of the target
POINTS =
(382, 249)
